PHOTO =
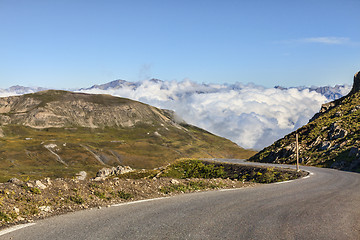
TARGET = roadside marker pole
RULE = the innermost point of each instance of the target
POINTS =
(297, 153)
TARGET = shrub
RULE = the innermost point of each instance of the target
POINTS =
(100, 194)
(4, 217)
(194, 169)
(35, 190)
(124, 195)
(77, 199)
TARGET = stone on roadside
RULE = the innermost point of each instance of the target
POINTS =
(16, 210)
(81, 175)
(45, 208)
(174, 181)
(16, 181)
(40, 185)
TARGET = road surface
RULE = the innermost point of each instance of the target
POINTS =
(325, 205)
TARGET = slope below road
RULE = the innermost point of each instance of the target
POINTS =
(322, 206)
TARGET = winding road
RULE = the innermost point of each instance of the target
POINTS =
(324, 205)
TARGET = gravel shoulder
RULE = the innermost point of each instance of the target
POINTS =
(26, 202)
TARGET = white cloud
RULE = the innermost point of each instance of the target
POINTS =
(326, 40)
(250, 115)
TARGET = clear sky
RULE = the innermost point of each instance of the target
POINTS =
(79, 43)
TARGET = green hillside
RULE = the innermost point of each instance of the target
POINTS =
(330, 139)
(58, 133)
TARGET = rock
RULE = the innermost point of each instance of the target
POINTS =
(81, 175)
(324, 145)
(106, 172)
(16, 181)
(336, 131)
(45, 208)
(96, 179)
(174, 181)
(30, 185)
(354, 151)
(356, 85)
(354, 164)
(48, 181)
(338, 114)
(40, 185)
(1, 132)
(316, 142)
(16, 210)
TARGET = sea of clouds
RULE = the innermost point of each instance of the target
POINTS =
(250, 115)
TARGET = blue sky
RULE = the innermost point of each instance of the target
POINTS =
(79, 43)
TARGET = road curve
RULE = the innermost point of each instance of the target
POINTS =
(325, 205)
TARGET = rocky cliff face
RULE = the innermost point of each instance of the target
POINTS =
(330, 139)
(64, 109)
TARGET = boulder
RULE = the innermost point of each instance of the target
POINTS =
(15, 181)
(325, 145)
(174, 181)
(81, 175)
(40, 185)
(106, 172)
(354, 152)
(336, 131)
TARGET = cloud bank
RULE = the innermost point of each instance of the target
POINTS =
(250, 115)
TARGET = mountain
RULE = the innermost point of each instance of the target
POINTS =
(331, 93)
(330, 139)
(59, 133)
(113, 85)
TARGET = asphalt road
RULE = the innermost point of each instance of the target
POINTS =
(325, 205)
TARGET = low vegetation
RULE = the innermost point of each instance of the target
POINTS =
(23, 152)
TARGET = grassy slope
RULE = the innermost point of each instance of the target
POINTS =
(22, 151)
(346, 114)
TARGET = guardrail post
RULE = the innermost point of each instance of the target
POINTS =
(297, 153)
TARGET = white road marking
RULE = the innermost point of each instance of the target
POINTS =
(284, 182)
(11, 229)
(139, 201)
(231, 189)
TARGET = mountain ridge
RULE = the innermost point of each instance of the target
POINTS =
(42, 110)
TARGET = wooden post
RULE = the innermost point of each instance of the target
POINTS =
(297, 153)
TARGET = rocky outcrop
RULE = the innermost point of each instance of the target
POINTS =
(356, 85)
(107, 172)
(328, 106)
(336, 131)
